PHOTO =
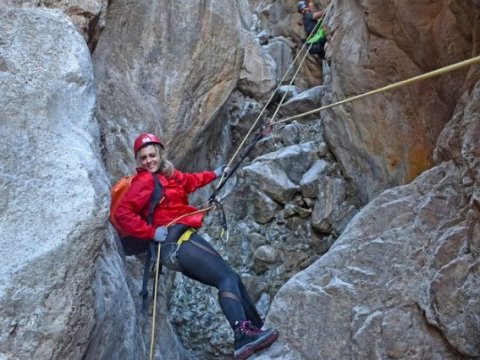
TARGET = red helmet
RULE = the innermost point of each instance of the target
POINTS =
(144, 139)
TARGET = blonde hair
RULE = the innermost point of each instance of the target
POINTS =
(166, 167)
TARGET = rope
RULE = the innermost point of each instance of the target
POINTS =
(409, 81)
(155, 281)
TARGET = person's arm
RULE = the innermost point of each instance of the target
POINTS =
(315, 14)
(129, 210)
(193, 181)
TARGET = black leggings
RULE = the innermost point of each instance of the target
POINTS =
(198, 260)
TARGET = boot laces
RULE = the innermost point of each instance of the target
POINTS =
(247, 328)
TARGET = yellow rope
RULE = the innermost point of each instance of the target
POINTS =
(409, 81)
(155, 290)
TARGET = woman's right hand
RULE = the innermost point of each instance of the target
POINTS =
(222, 170)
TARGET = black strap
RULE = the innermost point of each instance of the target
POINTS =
(150, 257)
(148, 272)
(146, 275)
(155, 199)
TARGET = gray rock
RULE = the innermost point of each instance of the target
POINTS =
(271, 180)
(281, 52)
(379, 281)
(332, 210)
(257, 77)
(54, 193)
(309, 183)
(88, 15)
(380, 141)
(266, 254)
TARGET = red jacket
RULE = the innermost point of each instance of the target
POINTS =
(133, 208)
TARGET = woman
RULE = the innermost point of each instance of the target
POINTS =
(193, 256)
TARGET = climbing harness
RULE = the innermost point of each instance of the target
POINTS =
(171, 248)
(319, 35)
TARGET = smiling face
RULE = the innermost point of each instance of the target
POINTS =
(149, 158)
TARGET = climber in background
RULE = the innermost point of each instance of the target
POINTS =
(310, 20)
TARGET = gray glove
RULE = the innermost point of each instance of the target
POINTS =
(224, 169)
(161, 233)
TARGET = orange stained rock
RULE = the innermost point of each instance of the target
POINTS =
(419, 160)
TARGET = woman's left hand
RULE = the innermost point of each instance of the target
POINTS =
(161, 233)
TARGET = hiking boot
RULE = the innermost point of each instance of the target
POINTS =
(249, 339)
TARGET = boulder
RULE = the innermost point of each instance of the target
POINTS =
(54, 193)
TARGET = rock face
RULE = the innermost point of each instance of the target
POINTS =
(388, 139)
(49, 166)
(152, 74)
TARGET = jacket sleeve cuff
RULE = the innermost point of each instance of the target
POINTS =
(151, 233)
